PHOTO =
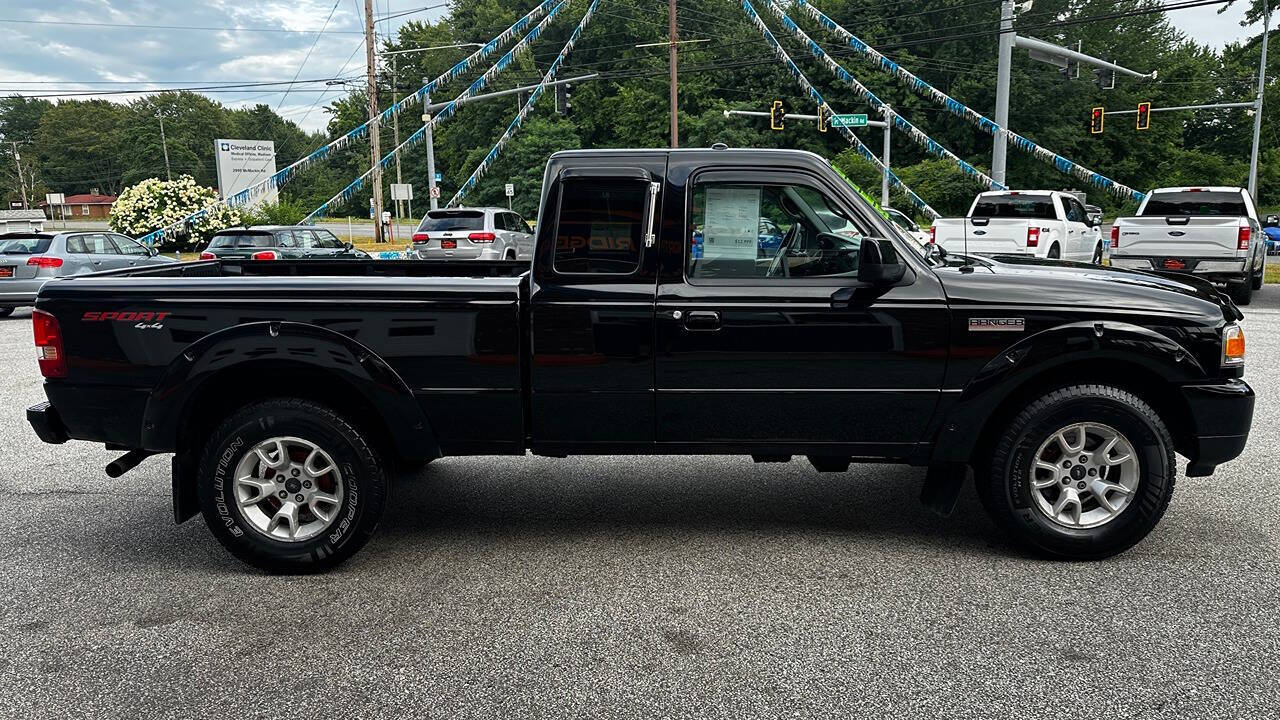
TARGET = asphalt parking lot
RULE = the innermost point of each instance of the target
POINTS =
(634, 587)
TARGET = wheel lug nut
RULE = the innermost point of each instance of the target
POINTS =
(1080, 485)
(299, 498)
(1084, 459)
(1092, 472)
(1066, 464)
(295, 472)
(1066, 481)
(283, 494)
(306, 483)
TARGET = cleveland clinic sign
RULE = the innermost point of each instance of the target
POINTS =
(244, 163)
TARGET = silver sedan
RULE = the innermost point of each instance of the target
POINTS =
(29, 260)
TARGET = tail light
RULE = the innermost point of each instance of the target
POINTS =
(482, 237)
(43, 261)
(1115, 236)
(206, 255)
(53, 361)
(933, 235)
(1033, 236)
(265, 255)
(1242, 239)
(421, 237)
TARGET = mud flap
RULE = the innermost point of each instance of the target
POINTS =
(186, 504)
(942, 485)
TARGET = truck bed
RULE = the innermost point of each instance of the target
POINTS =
(443, 329)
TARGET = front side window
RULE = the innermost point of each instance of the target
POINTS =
(599, 231)
(769, 231)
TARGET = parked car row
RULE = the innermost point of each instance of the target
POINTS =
(30, 259)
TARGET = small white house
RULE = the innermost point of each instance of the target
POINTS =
(21, 221)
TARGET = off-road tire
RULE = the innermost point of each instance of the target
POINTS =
(1004, 485)
(363, 477)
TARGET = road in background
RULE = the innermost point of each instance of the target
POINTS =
(356, 230)
(634, 587)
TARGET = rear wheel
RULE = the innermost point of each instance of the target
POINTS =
(6, 311)
(1054, 252)
(511, 255)
(289, 486)
(1083, 473)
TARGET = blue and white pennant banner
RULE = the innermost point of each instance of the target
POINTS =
(492, 156)
(916, 134)
(817, 97)
(445, 113)
(960, 109)
(256, 191)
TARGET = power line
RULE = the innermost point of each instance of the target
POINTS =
(86, 23)
(307, 57)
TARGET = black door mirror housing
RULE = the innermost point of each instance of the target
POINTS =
(879, 263)
(153, 251)
(347, 246)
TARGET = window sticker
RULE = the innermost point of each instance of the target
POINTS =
(732, 223)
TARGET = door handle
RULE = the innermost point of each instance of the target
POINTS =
(702, 320)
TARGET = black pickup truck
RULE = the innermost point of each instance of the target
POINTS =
(656, 317)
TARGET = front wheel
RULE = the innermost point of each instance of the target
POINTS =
(1082, 473)
(289, 486)
(1097, 255)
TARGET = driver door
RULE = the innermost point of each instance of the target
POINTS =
(783, 350)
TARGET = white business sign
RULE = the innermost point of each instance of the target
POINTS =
(401, 191)
(244, 163)
(511, 189)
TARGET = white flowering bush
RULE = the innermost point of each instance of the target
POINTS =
(153, 204)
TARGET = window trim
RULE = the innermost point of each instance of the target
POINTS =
(789, 176)
(641, 183)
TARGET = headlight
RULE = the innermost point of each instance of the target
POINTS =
(1232, 346)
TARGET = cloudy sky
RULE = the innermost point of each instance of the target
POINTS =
(87, 47)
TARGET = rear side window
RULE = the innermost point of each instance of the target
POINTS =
(1212, 204)
(599, 227)
(442, 220)
(1037, 207)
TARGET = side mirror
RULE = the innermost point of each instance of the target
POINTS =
(1272, 221)
(934, 252)
(153, 251)
(879, 263)
(347, 246)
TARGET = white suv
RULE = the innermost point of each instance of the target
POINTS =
(472, 234)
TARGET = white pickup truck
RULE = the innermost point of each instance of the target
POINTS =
(1211, 232)
(1040, 223)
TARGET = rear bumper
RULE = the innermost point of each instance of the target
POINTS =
(20, 293)
(47, 424)
(1216, 268)
(1222, 413)
(105, 414)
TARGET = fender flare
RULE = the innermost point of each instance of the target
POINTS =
(286, 344)
(1032, 357)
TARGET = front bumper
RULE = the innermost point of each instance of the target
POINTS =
(47, 424)
(1221, 412)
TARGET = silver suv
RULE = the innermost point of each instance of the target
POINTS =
(472, 234)
(29, 260)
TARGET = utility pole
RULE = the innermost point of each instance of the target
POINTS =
(998, 153)
(429, 124)
(22, 184)
(1257, 111)
(395, 130)
(671, 49)
(164, 145)
(884, 176)
(375, 151)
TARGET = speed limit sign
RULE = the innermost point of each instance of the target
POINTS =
(435, 192)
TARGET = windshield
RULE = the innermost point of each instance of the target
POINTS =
(25, 245)
(1195, 202)
(438, 220)
(244, 240)
(1037, 207)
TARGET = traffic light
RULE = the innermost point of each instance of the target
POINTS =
(1104, 78)
(562, 98)
(824, 118)
(1096, 120)
(1072, 70)
(1144, 116)
(776, 114)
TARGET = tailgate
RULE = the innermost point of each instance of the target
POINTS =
(989, 236)
(1178, 236)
